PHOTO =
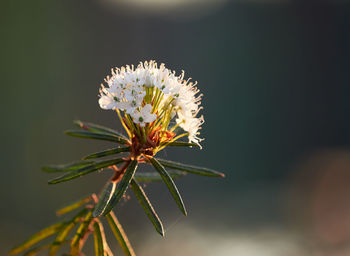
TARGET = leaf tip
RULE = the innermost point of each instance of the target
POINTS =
(80, 124)
(77, 122)
(184, 211)
(66, 132)
(13, 251)
(97, 213)
(44, 168)
(161, 232)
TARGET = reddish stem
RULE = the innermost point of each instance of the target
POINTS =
(119, 172)
(86, 236)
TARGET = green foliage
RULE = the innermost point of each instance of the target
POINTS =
(190, 168)
(66, 167)
(63, 229)
(98, 239)
(44, 233)
(75, 245)
(107, 152)
(170, 184)
(182, 144)
(121, 186)
(64, 232)
(119, 234)
(97, 128)
(73, 206)
(147, 206)
(93, 209)
(104, 199)
(154, 176)
(96, 136)
(34, 251)
(85, 170)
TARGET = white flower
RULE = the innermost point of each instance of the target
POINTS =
(107, 102)
(137, 91)
(144, 115)
(192, 125)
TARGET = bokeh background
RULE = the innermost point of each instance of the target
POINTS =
(275, 78)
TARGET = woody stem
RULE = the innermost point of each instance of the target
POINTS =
(119, 172)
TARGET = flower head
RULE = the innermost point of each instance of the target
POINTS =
(155, 102)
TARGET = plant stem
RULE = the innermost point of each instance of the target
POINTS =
(86, 236)
(119, 172)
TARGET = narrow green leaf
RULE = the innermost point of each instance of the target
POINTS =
(83, 228)
(62, 235)
(147, 206)
(108, 152)
(182, 144)
(97, 128)
(96, 136)
(154, 176)
(44, 233)
(119, 234)
(98, 239)
(36, 250)
(66, 167)
(190, 168)
(85, 170)
(121, 186)
(104, 199)
(73, 206)
(170, 184)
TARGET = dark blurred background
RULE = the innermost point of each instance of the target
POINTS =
(275, 78)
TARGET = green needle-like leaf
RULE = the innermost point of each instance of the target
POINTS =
(119, 234)
(85, 170)
(170, 184)
(154, 176)
(147, 206)
(121, 186)
(66, 167)
(182, 144)
(46, 232)
(104, 199)
(108, 152)
(36, 250)
(62, 235)
(73, 206)
(190, 168)
(97, 128)
(96, 136)
(98, 239)
(83, 228)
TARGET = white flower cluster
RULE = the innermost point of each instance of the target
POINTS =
(127, 89)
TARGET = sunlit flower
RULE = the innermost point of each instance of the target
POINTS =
(155, 101)
(144, 115)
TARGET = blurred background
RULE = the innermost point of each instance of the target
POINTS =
(275, 78)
